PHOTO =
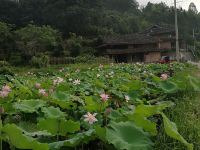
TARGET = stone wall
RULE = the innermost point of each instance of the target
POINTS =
(152, 57)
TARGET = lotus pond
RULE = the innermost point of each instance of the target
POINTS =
(104, 107)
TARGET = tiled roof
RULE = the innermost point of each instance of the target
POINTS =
(129, 39)
(146, 37)
(159, 29)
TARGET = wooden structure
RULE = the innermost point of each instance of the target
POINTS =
(147, 46)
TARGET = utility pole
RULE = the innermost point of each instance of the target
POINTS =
(194, 39)
(176, 28)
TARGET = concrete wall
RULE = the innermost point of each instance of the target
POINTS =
(186, 56)
(152, 57)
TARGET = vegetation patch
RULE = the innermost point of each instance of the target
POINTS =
(116, 106)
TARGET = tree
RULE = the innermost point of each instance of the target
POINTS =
(157, 13)
(193, 8)
(32, 40)
(121, 5)
(6, 39)
(76, 45)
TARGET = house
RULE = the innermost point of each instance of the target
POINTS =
(147, 46)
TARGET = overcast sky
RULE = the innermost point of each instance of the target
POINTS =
(183, 3)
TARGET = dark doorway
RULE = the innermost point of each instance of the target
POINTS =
(121, 58)
(138, 57)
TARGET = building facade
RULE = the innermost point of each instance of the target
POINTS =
(147, 46)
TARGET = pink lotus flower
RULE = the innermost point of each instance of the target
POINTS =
(164, 76)
(90, 118)
(5, 91)
(43, 92)
(104, 97)
(4, 94)
(38, 86)
(58, 81)
(6, 88)
(77, 82)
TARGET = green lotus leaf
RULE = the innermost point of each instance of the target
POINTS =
(29, 106)
(168, 86)
(38, 133)
(21, 141)
(172, 131)
(31, 129)
(22, 91)
(77, 100)
(52, 112)
(63, 87)
(156, 79)
(28, 126)
(91, 105)
(116, 116)
(142, 112)
(99, 84)
(100, 133)
(58, 126)
(79, 138)
(127, 136)
(146, 124)
(135, 85)
(8, 108)
(62, 99)
(149, 110)
(61, 96)
(181, 80)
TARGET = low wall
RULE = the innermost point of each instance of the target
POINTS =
(152, 57)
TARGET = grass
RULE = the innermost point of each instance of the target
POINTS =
(186, 115)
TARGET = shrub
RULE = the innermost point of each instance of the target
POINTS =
(80, 59)
(70, 60)
(32, 40)
(4, 64)
(40, 61)
(101, 60)
(15, 60)
(4, 68)
(6, 71)
(92, 59)
(83, 59)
